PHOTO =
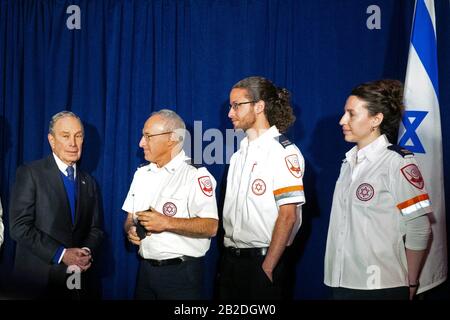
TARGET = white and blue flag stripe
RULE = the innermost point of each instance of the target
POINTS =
(421, 133)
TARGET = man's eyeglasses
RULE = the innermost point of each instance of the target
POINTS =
(149, 136)
(236, 105)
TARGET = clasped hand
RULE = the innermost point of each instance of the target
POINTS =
(79, 257)
(153, 221)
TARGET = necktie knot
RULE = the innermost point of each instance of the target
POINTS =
(70, 173)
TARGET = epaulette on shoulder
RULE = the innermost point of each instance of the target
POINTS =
(142, 165)
(283, 140)
(401, 151)
(195, 165)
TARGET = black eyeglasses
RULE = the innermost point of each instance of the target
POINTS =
(236, 105)
(149, 136)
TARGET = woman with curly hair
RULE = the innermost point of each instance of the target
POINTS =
(264, 194)
(379, 227)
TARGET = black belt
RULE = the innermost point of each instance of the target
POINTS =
(246, 252)
(169, 262)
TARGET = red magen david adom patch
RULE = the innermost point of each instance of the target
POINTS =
(258, 187)
(206, 185)
(169, 209)
(293, 165)
(413, 175)
(365, 192)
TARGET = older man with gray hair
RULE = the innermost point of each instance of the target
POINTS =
(55, 218)
(172, 213)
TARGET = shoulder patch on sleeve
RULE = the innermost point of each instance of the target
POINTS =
(293, 164)
(206, 185)
(405, 153)
(412, 173)
(283, 140)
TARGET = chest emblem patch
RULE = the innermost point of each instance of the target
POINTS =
(293, 165)
(169, 209)
(258, 187)
(206, 185)
(365, 192)
(413, 175)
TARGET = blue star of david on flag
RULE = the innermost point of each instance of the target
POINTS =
(410, 130)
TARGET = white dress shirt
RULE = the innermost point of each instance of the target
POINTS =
(264, 174)
(179, 190)
(377, 191)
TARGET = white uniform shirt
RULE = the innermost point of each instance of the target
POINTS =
(179, 190)
(263, 175)
(377, 191)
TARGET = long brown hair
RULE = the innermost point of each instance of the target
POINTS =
(278, 108)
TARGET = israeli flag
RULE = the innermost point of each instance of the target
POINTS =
(420, 132)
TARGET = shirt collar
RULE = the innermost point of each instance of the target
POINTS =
(351, 155)
(173, 164)
(62, 166)
(272, 132)
(369, 152)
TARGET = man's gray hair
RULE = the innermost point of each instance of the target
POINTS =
(60, 115)
(173, 123)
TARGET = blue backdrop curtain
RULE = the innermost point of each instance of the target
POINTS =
(132, 57)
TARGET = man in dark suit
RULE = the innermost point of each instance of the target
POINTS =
(55, 218)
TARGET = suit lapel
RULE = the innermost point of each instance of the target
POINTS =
(55, 180)
(81, 194)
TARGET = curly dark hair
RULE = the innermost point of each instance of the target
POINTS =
(386, 97)
(278, 108)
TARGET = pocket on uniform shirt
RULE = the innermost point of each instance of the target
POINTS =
(260, 184)
(365, 194)
(172, 206)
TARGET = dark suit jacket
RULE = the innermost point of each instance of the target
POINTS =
(40, 220)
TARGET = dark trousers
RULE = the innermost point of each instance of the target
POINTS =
(400, 293)
(60, 285)
(182, 281)
(242, 278)
(90, 288)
